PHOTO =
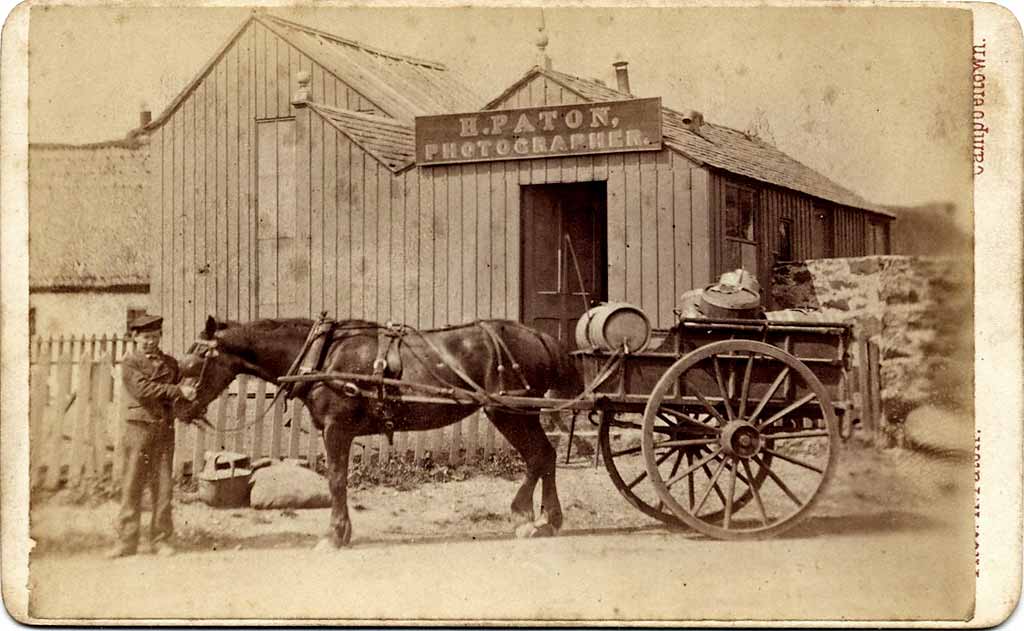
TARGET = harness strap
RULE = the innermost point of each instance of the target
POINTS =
(499, 346)
(452, 364)
(388, 338)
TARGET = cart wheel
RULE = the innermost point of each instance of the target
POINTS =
(766, 428)
(627, 468)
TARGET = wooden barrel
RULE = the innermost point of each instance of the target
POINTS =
(612, 326)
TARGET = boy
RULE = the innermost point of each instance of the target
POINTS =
(147, 448)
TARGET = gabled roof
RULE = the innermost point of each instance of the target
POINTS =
(391, 142)
(404, 87)
(87, 216)
(716, 145)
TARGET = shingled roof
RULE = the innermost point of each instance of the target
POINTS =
(391, 142)
(404, 87)
(87, 215)
(716, 145)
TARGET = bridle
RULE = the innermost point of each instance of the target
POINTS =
(209, 348)
(205, 349)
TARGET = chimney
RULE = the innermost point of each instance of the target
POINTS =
(622, 76)
(542, 43)
(145, 118)
(693, 121)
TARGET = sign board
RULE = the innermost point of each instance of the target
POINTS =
(539, 132)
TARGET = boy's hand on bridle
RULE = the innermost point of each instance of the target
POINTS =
(188, 392)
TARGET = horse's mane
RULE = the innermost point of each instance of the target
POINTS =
(244, 335)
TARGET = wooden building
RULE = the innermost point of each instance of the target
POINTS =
(226, 168)
(292, 180)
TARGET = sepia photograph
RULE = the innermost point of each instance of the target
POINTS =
(506, 315)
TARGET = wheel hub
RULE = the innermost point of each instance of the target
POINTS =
(741, 439)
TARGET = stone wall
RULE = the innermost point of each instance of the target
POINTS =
(919, 310)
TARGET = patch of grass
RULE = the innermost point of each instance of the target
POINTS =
(407, 475)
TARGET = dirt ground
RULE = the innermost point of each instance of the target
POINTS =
(871, 490)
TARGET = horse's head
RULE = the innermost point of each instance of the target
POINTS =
(210, 365)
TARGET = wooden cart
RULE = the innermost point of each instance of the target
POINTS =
(730, 427)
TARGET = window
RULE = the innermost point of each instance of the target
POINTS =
(740, 218)
(31, 322)
(739, 212)
(133, 312)
(785, 251)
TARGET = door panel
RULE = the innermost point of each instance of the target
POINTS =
(821, 233)
(551, 275)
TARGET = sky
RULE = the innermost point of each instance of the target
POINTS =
(878, 99)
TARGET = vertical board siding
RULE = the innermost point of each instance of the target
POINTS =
(649, 275)
(357, 267)
(343, 197)
(188, 217)
(156, 216)
(231, 280)
(470, 243)
(212, 248)
(702, 248)
(210, 137)
(616, 228)
(426, 259)
(199, 196)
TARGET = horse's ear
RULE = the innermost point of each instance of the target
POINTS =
(211, 328)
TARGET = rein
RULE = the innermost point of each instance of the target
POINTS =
(210, 350)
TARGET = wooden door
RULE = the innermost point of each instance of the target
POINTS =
(822, 234)
(552, 299)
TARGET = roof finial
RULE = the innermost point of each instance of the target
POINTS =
(542, 43)
(302, 77)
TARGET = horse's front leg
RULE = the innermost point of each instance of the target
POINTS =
(337, 445)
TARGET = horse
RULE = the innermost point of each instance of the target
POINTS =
(471, 356)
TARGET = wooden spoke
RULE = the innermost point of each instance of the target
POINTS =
(768, 395)
(689, 442)
(795, 461)
(789, 408)
(814, 433)
(690, 491)
(631, 425)
(689, 419)
(672, 480)
(729, 496)
(775, 478)
(625, 425)
(668, 421)
(626, 452)
(710, 409)
(721, 495)
(679, 460)
(711, 485)
(643, 475)
(721, 387)
(757, 495)
(745, 388)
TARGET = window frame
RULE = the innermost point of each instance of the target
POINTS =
(788, 222)
(755, 195)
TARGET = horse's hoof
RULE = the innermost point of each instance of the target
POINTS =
(544, 530)
(326, 545)
(526, 531)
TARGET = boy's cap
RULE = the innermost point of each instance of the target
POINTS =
(145, 323)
